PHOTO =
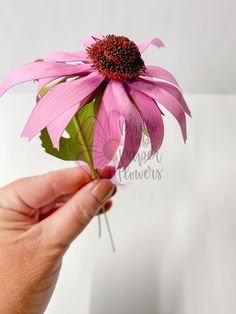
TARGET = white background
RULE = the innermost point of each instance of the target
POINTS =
(175, 238)
(200, 36)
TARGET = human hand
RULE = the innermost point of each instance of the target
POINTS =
(39, 218)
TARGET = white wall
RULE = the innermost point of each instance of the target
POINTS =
(199, 35)
(175, 237)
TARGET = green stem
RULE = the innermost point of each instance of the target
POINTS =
(94, 173)
(78, 135)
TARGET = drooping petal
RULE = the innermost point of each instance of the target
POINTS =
(57, 127)
(174, 90)
(88, 41)
(152, 117)
(166, 99)
(153, 41)
(177, 94)
(160, 73)
(62, 56)
(107, 132)
(133, 123)
(39, 70)
(58, 99)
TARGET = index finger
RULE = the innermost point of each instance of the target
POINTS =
(37, 191)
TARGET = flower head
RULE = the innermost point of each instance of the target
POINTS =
(116, 57)
(112, 70)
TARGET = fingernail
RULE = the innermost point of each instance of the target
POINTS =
(108, 172)
(114, 192)
(103, 190)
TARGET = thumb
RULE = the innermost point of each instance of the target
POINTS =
(65, 224)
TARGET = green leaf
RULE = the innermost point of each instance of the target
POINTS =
(82, 127)
(79, 145)
(68, 150)
(45, 89)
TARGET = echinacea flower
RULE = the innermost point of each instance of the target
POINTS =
(111, 69)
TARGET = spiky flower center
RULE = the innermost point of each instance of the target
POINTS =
(116, 57)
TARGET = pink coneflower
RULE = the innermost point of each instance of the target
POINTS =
(110, 66)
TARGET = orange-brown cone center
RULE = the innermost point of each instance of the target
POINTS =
(116, 57)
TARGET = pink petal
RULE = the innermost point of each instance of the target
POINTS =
(107, 132)
(153, 41)
(151, 116)
(172, 104)
(177, 94)
(59, 99)
(39, 70)
(57, 127)
(133, 123)
(160, 73)
(84, 68)
(88, 41)
(62, 56)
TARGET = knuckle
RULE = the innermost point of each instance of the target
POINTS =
(55, 247)
(95, 201)
(84, 211)
(53, 180)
